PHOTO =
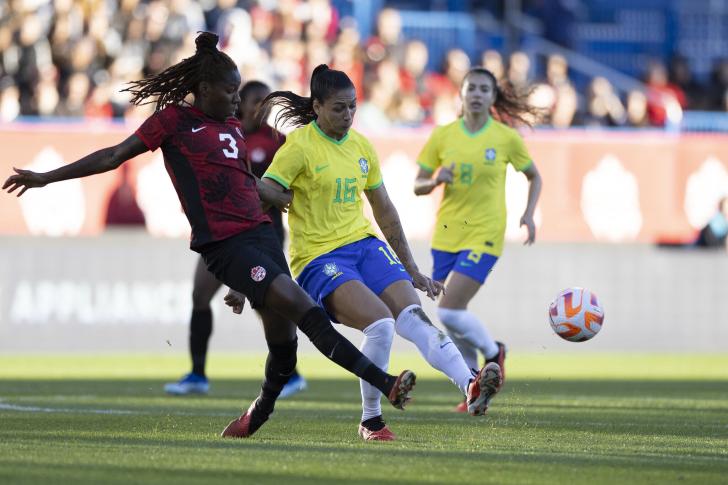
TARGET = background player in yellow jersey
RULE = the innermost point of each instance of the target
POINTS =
(335, 253)
(470, 156)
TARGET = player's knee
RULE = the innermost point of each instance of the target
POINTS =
(381, 331)
(315, 323)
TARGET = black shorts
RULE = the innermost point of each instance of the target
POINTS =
(247, 262)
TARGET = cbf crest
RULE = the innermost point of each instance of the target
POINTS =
(330, 269)
(364, 165)
(490, 155)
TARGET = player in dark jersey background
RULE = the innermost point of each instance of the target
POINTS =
(261, 142)
(204, 154)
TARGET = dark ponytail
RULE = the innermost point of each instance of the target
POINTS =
(172, 85)
(298, 110)
(511, 104)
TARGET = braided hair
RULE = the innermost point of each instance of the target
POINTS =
(511, 104)
(172, 85)
(298, 110)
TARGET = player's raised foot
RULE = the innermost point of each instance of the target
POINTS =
(482, 389)
(462, 407)
(294, 385)
(399, 395)
(384, 434)
(500, 359)
(189, 384)
(247, 424)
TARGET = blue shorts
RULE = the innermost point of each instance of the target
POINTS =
(470, 263)
(368, 260)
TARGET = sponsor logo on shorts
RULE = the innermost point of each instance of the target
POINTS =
(257, 273)
(330, 269)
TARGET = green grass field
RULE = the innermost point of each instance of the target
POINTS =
(566, 418)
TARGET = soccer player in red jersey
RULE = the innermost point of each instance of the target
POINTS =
(261, 142)
(204, 153)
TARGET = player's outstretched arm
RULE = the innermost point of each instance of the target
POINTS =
(98, 162)
(424, 183)
(534, 190)
(273, 193)
(388, 220)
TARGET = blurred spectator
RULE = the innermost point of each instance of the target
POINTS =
(388, 40)
(715, 232)
(493, 61)
(123, 209)
(519, 66)
(681, 76)
(718, 85)
(413, 72)
(566, 104)
(9, 101)
(604, 107)
(374, 114)
(662, 95)
(637, 110)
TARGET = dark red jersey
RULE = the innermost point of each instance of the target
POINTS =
(262, 145)
(206, 160)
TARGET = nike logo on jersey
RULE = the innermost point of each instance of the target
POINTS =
(321, 167)
(446, 343)
(195, 130)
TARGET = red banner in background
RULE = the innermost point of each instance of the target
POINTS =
(598, 186)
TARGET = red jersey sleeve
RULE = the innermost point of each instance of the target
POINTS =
(155, 130)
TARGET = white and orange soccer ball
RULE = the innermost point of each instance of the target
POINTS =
(576, 315)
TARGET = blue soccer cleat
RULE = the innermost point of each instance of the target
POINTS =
(294, 385)
(189, 384)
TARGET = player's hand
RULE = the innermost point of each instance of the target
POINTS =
(446, 175)
(428, 285)
(527, 220)
(235, 300)
(24, 180)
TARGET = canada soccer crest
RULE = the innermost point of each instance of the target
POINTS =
(364, 165)
(257, 273)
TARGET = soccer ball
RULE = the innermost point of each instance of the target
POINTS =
(575, 314)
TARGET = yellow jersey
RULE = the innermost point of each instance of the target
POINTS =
(472, 215)
(328, 178)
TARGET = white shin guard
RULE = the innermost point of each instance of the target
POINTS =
(435, 346)
(376, 346)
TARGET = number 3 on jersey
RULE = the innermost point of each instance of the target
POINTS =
(233, 151)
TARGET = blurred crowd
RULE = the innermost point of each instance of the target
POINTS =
(72, 58)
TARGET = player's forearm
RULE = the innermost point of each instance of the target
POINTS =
(534, 191)
(97, 162)
(388, 221)
(424, 186)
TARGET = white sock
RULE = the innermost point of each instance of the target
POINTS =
(376, 346)
(469, 353)
(467, 327)
(435, 346)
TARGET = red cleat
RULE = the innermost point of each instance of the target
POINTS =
(240, 428)
(482, 389)
(384, 434)
(500, 359)
(461, 408)
(399, 395)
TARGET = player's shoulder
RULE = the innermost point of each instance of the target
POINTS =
(359, 139)
(447, 129)
(502, 129)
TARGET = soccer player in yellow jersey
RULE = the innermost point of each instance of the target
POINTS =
(470, 156)
(335, 254)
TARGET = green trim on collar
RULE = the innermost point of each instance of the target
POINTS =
(473, 135)
(333, 140)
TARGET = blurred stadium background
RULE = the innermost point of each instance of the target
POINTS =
(633, 153)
